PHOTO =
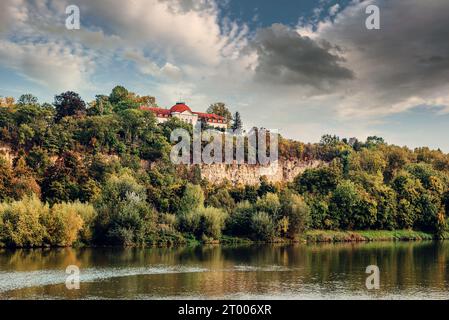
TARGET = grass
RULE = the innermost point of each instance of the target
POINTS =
(228, 240)
(369, 235)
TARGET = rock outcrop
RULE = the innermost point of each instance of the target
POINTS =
(282, 171)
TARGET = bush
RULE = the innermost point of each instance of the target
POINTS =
(124, 216)
(62, 224)
(239, 222)
(221, 199)
(298, 213)
(319, 212)
(192, 199)
(270, 204)
(263, 226)
(20, 222)
(204, 222)
(73, 211)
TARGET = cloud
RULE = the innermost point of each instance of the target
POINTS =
(285, 57)
(52, 65)
(316, 78)
(400, 66)
(160, 37)
(148, 67)
(188, 32)
(12, 12)
(334, 9)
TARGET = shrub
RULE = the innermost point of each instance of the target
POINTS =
(124, 216)
(319, 212)
(20, 222)
(204, 222)
(169, 220)
(72, 213)
(298, 213)
(270, 204)
(62, 224)
(239, 222)
(221, 199)
(192, 199)
(263, 226)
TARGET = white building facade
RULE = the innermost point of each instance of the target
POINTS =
(183, 112)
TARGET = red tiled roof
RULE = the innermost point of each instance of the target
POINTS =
(157, 111)
(180, 107)
(209, 116)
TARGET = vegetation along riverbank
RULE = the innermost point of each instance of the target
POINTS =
(99, 173)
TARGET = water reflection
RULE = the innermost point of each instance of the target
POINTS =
(330, 271)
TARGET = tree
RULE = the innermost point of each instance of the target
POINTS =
(220, 109)
(124, 216)
(270, 204)
(352, 207)
(221, 199)
(204, 223)
(69, 104)
(295, 209)
(320, 180)
(6, 180)
(263, 226)
(329, 140)
(68, 180)
(374, 141)
(118, 94)
(27, 99)
(371, 161)
(192, 199)
(101, 106)
(237, 125)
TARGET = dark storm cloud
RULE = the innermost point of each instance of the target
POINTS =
(409, 55)
(286, 57)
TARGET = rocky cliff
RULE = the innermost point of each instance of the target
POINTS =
(282, 171)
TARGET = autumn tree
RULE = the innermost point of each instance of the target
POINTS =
(69, 104)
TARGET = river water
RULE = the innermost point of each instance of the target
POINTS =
(408, 270)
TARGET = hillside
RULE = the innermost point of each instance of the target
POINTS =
(100, 173)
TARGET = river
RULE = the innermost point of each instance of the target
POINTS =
(408, 270)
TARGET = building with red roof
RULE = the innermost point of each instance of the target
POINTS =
(183, 112)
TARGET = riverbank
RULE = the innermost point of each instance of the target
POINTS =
(368, 236)
(329, 236)
(311, 236)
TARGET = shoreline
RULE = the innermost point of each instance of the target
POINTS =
(331, 236)
(309, 237)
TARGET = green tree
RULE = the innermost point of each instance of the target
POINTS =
(295, 209)
(124, 216)
(237, 122)
(270, 204)
(320, 180)
(192, 199)
(220, 109)
(263, 226)
(352, 207)
(27, 99)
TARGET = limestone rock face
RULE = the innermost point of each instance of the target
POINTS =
(281, 171)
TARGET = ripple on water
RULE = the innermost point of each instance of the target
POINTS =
(27, 279)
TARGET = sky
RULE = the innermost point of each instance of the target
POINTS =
(305, 68)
